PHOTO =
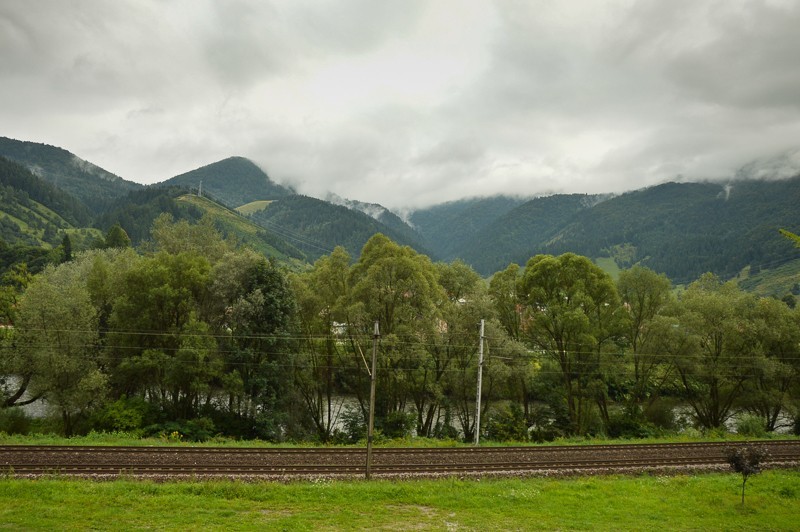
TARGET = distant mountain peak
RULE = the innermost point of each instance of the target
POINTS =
(234, 181)
(88, 182)
(373, 210)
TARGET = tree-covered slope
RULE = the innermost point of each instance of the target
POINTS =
(515, 236)
(316, 226)
(94, 186)
(34, 212)
(687, 229)
(452, 227)
(234, 225)
(379, 213)
(137, 211)
(681, 229)
(233, 181)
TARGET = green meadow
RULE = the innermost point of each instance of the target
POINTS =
(679, 502)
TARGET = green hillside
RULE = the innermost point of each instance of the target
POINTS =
(680, 229)
(34, 212)
(233, 182)
(137, 211)
(233, 224)
(515, 236)
(92, 185)
(775, 282)
(451, 227)
(381, 214)
(316, 227)
(687, 229)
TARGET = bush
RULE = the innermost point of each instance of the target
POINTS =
(661, 414)
(751, 425)
(123, 415)
(14, 421)
(354, 426)
(200, 429)
(508, 424)
(397, 425)
(543, 427)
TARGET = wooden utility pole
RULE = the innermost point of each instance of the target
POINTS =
(478, 399)
(375, 337)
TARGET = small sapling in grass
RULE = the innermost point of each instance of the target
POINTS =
(746, 459)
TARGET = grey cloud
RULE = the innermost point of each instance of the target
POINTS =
(556, 96)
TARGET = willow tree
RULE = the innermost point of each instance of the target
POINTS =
(722, 351)
(777, 377)
(645, 294)
(397, 287)
(322, 295)
(56, 339)
(571, 317)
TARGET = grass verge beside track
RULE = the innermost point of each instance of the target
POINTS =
(681, 502)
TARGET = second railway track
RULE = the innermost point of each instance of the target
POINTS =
(288, 463)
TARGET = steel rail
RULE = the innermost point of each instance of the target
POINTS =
(339, 469)
(394, 450)
(23, 460)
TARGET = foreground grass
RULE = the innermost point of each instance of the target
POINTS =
(683, 502)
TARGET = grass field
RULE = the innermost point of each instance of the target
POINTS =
(253, 206)
(608, 265)
(777, 281)
(682, 502)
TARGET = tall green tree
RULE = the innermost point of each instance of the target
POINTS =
(721, 353)
(159, 305)
(572, 318)
(117, 237)
(777, 376)
(397, 287)
(322, 295)
(56, 337)
(503, 290)
(180, 236)
(253, 308)
(645, 294)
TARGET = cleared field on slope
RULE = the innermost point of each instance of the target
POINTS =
(253, 206)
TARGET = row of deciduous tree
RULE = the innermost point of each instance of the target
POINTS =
(210, 338)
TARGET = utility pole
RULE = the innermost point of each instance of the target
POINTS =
(478, 399)
(375, 337)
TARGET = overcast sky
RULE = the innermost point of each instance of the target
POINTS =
(410, 102)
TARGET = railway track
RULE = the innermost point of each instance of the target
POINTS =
(286, 463)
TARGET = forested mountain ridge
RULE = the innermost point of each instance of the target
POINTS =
(687, 229)
(32, 211)
(316, 227)
(494, 246)
(93, 185)
(233, 181)
(450, 227)
(137, 212)
(378, 212)
(680, 229)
